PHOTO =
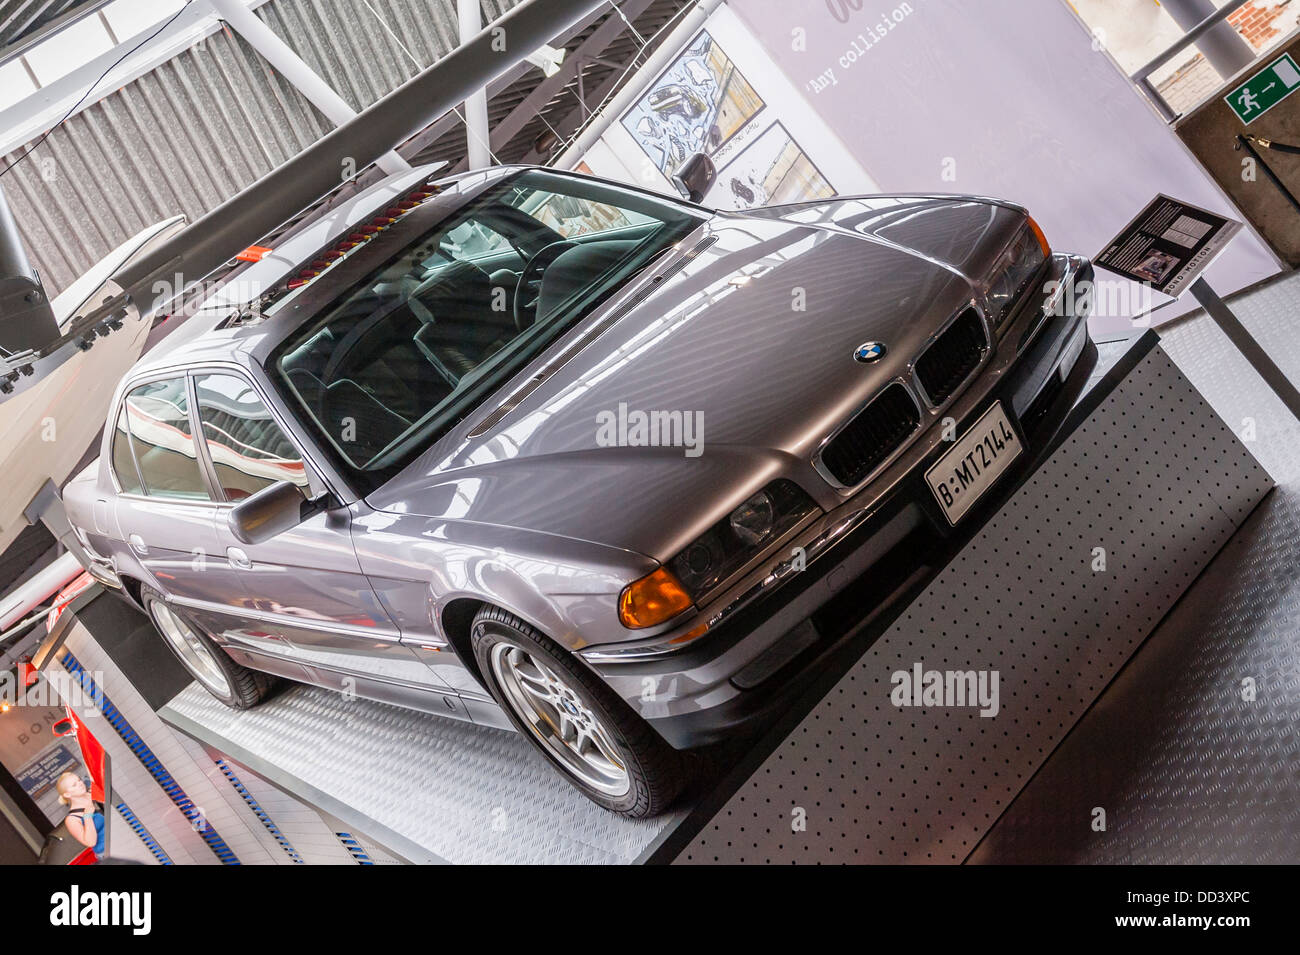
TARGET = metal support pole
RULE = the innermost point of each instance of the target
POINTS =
(1222, 316)
(23, 599)
(279, 54)
(312, 173)
(1221, 44)
(476, 111)
(1153, 96)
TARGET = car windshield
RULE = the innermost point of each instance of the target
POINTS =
(403, 354)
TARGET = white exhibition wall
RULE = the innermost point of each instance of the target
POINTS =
(1004, 98)
(623, 152)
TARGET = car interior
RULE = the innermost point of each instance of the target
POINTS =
(429, 322)
(245, 444)
(154, 432)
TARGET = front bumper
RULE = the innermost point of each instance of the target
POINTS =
(869, 554)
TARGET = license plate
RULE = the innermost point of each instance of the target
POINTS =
(973, 465)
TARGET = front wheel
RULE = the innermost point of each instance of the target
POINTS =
(578, 723)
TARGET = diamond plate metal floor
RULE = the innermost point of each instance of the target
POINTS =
(1186, 769)
(426, 788)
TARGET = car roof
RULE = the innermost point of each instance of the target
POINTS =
(206, 337)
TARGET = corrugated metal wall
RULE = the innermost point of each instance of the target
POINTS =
(348, 45)
(208, 122)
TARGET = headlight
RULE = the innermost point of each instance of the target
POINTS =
(718, 553)
(753, 521)
(1017, 265)
(736, 539)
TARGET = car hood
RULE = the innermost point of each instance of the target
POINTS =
(743, 343)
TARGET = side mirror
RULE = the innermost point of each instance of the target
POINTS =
(64, 727)
(271, 511)
(695, 177)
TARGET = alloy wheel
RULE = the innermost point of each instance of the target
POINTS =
(559, 719)
(194, 653)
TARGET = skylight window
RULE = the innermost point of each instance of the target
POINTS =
(68, 49)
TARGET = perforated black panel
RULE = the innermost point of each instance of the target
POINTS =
(1156, 483)
(1186, 767)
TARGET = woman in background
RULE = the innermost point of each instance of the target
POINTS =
(85, 818)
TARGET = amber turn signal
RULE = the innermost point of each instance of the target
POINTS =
(1042, 239)
(652, 599)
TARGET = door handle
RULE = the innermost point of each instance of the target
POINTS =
(238, 558)
(138, 545)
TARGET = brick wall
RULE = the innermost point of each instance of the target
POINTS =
(1257, 22)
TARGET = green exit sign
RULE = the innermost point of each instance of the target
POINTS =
(1255, 97)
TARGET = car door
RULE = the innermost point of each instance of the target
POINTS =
(304, 585)
(164, 509)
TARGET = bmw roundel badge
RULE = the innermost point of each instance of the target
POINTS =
(869, 351)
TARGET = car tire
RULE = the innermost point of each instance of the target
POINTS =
(237, 686)
(531, 677)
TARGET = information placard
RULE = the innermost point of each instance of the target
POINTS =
(1168, 244)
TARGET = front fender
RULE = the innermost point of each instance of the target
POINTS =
(567, 589)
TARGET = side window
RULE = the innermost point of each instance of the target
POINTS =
(123, 460)
(248, 449)
(159, 424)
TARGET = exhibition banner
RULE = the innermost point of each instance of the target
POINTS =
(1000, 98)
(703, 103)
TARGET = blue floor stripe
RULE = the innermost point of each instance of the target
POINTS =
(151, 762)
(261, 814)
(359, 854)
(159, 853)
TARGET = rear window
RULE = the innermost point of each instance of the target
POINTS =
(161, 442)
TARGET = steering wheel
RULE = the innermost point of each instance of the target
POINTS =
(529, 287)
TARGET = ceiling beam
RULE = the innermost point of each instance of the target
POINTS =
(304, 179)
(304, 79)
(413, 147)
(545, 91)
